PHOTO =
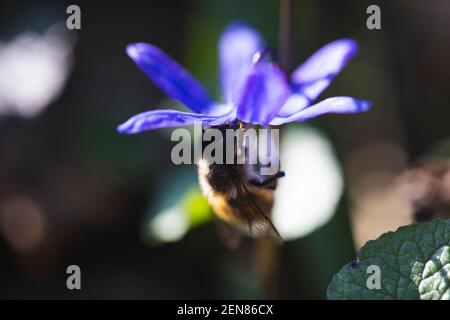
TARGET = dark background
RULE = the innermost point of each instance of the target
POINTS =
(93, 187)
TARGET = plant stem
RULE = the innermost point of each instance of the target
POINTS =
(267, 253)
(286, 34)
(267, 257)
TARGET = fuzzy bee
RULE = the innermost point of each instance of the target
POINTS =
(238, 194)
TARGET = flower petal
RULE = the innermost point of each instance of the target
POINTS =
(264, 92)
(219, 109)
(237, 46)
(169, 76)
(330, 105)
(157, 119)
(293, 104)
(316, 73)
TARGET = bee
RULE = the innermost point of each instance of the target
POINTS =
(238, 194)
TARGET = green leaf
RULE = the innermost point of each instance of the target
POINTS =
(413, 263)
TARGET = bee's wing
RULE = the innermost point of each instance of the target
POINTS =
(229, 235)
(261, 229)
(259, 224)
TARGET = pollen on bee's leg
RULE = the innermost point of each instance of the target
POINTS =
(243, 125)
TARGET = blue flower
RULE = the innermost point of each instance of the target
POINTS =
(254, 90)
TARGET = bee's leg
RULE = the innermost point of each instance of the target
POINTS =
(272, 178)
(267, 181)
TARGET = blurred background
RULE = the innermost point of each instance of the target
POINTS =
(73, 191)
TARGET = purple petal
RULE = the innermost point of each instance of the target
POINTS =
(316, 73)
(330, 105)
(157, 119)
(169, 76)
(264, 92)
(219, 109)
(237, 46)
(293, 104)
